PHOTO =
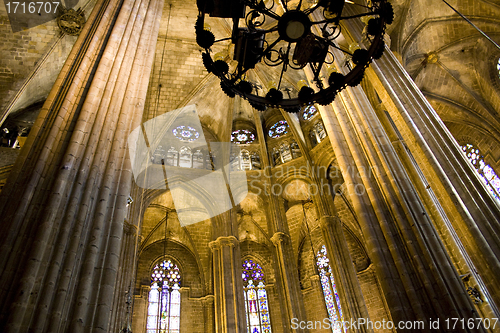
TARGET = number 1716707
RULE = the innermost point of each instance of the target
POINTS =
(471, 323)
(31, 7)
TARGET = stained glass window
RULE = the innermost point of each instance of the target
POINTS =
(486, 172)
(309, 112)
(498, 66)
(242, 136)
(330, 293)
(317, 133)
(256, 306)
(278, 129)
(186, 133)
(164, 309)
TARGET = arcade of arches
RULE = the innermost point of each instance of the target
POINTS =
(383, 205)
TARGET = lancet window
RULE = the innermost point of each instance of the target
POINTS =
(332, 299)
(164, 308)
(485, 171)
(317, 133)
(256, 304)
(285, 152)
(309, 112)
(246, 160)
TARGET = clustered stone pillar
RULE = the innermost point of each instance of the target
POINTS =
(228, 285)
(285, 264)
(471, 210)
(124, 290)
(342, 266)
(288, 274)
(64, 205)
(344, 271)
(410, 260)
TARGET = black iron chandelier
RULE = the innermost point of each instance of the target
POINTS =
(288, 35)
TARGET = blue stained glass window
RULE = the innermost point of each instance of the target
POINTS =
(498, 66)
(256, 306)
(332, 299)
(186, 133)
(309, 112)
(164, 310)
(242, 136)
(278, 129)
(486, 172)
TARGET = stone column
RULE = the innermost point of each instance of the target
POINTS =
(344, 272)
(208, 313)
(126, 277)
(351, 164)
(285, 265)
(64, 206)
(228, 286)
(410, 244)
(289, 280)
(471, 210)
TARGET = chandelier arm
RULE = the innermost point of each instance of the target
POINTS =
(337, 47)
(330, 36)
(272, 63)
(356, 16)
(270, 47)
(263, 10)
(222, 39)
(311, 10)
(299, 5)
(285, 63)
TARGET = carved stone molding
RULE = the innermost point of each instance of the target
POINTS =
(223, 241)
(129, 228)
(278, 238)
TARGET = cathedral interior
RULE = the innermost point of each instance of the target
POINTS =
(381, 207)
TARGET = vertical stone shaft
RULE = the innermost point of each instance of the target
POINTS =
(228, 285)
(427, 252)
(126, 278)
(378, 249)
(343, 269)
(285, 263)
(25, 196)
(85, 210)
(473, 212)
(289, 280)
(344, 272)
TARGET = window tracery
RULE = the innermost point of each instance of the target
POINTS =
(332, 299)
(485, 171)
(309, 112)
(186, 133)
(256, 305)
(244, 161)
(317, 133)
(164, 307)
(242, 136)
(285, 152)
(280, 128)
(185, 157)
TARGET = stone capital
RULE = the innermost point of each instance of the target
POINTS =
(223, 241)
(129, 228)
(278, 238)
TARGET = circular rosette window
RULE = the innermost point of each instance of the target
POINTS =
(186, 133)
